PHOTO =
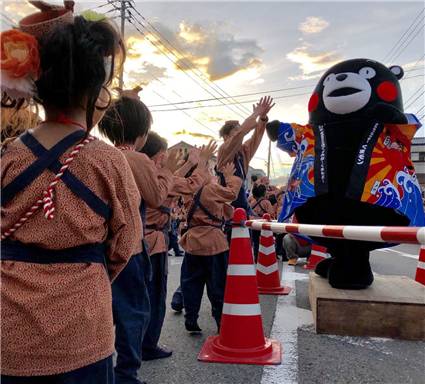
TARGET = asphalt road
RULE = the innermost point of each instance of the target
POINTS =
(307, 357)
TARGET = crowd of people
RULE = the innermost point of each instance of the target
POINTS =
(87, 226)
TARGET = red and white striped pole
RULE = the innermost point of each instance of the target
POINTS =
(407, 235)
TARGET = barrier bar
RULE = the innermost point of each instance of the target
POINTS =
(408, 235)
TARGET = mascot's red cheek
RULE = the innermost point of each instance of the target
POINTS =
(387, 91)
(314, 101)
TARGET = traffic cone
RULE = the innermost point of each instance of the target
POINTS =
(241, 339)
(318, 253)
(268, 276)
(420, 270)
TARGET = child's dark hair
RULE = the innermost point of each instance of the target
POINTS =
(228, 127)
(126, 120)
(254, 178)
(273, 199)
(73, 58)
(154, 144)
(259, 191)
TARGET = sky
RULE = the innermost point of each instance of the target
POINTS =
(188, 51)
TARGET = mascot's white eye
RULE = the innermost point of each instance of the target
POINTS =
(328, 78)
(367, 72)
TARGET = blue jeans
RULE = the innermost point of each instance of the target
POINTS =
(198, 271)
(157, 289)
(131, 310)
(101, 372)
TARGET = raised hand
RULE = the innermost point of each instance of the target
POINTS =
(194, 155)
(171, 161)
(207, 152)
(228, 170)
(263, 107)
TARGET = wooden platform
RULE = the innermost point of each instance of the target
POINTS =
(394, 307)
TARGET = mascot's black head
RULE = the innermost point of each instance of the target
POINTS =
(355, 89)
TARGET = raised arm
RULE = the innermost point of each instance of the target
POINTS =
(190, 185)
(250, 147)
(192, 161)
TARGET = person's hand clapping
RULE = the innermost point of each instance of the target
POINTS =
(171, 160)
(228, 170)
(207, 152)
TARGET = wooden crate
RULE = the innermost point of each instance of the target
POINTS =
(393, 307)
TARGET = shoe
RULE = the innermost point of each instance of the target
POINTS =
(292, 262)
(192, 327)
(157, 353)
(177, 302)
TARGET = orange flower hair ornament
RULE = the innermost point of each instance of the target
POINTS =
(20, 64)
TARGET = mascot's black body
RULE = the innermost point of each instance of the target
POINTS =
(350, 104)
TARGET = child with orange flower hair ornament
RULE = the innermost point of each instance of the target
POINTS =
(70, 220)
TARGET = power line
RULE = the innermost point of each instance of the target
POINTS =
(193, 118)
(131, 17)
(242, 102)
(177, 108)
(159, 95)
(408, 43)
(175, 63)
(419, 110)
(414, 93)
(241, 95)
(388, 55)
(9, 19)
(413, 102)
(412, 77)
(195, 70)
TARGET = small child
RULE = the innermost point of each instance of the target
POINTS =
(206, 247)
(127, 124)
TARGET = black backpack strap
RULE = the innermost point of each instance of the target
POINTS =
(69, 179)
(194, 206)
(32, 172)
(165, 209)
(197, 204)
(258, 203)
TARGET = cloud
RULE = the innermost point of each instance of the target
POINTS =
(214, 119)
(312, 25)
(146, 73)
(193, 134)
(310, 62)
(205, 48)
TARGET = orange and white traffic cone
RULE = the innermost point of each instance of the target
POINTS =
(241, 339)
(318, 253)
(420, 270)
(268, 276)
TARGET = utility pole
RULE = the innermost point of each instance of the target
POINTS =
(123, 17)
(269, 159)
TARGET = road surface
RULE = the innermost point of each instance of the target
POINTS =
(307, 357)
